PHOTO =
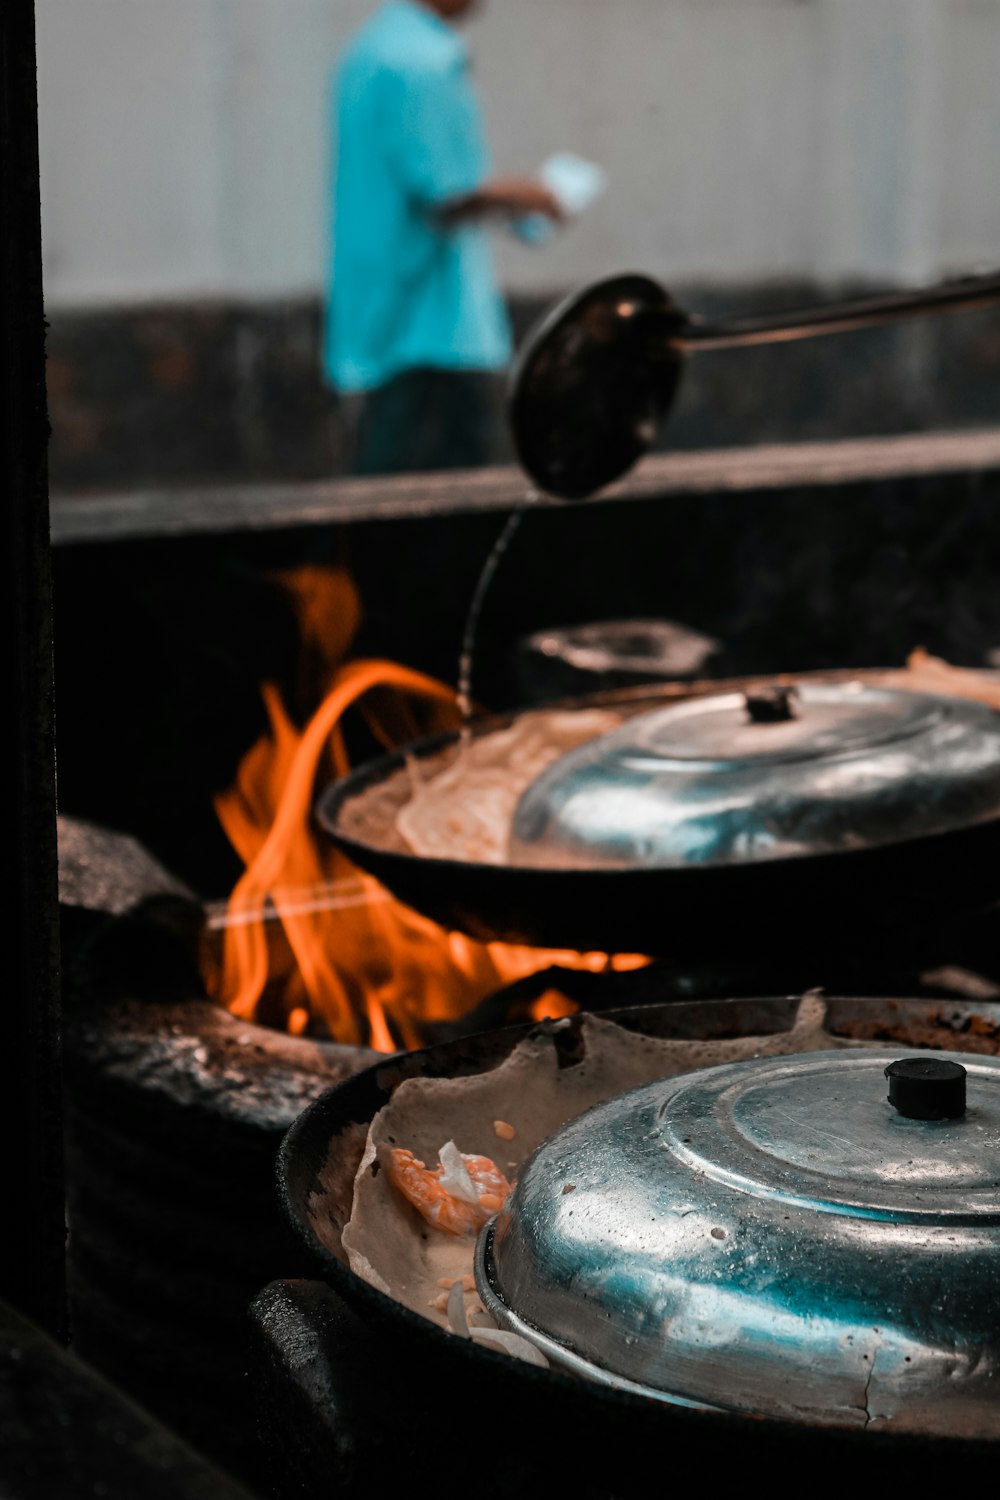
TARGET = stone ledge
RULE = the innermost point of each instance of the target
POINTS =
(130, 515)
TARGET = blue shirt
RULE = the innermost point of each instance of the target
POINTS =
(405, 291)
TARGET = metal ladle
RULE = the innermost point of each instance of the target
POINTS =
(600, 371)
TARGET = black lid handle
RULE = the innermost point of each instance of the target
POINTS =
(771, 703)
(927, 1088)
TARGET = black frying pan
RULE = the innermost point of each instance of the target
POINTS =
(514, 1429)
(903, 890)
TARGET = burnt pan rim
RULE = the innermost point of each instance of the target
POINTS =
(356, 1100)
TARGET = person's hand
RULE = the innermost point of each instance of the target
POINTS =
(523, 196)
(517, 197)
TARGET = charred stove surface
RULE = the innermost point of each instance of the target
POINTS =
(175, 1112)
(193, 1057)
(101, 870)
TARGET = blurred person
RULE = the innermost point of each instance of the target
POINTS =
(415, 321)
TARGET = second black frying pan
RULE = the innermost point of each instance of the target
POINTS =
(509, 1428)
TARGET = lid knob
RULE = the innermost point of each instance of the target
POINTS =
(771, 703)
(927, 1088)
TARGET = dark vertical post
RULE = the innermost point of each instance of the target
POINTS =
(32, 1215)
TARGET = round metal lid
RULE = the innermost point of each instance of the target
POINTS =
(772, 1236)
(784, 773)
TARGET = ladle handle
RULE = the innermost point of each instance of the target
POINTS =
(838, 317)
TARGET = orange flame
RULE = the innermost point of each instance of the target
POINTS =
(305, 933)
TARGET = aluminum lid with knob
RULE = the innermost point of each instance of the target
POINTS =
(782, 772)
(812, 1237)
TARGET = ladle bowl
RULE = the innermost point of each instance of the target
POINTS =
(599, 373)
(593, 382)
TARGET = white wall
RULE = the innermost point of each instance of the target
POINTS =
(183, 149)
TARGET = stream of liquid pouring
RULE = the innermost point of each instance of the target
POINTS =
(465, 660)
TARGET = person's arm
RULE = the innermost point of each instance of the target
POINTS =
(435, 142)
(512, 196)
